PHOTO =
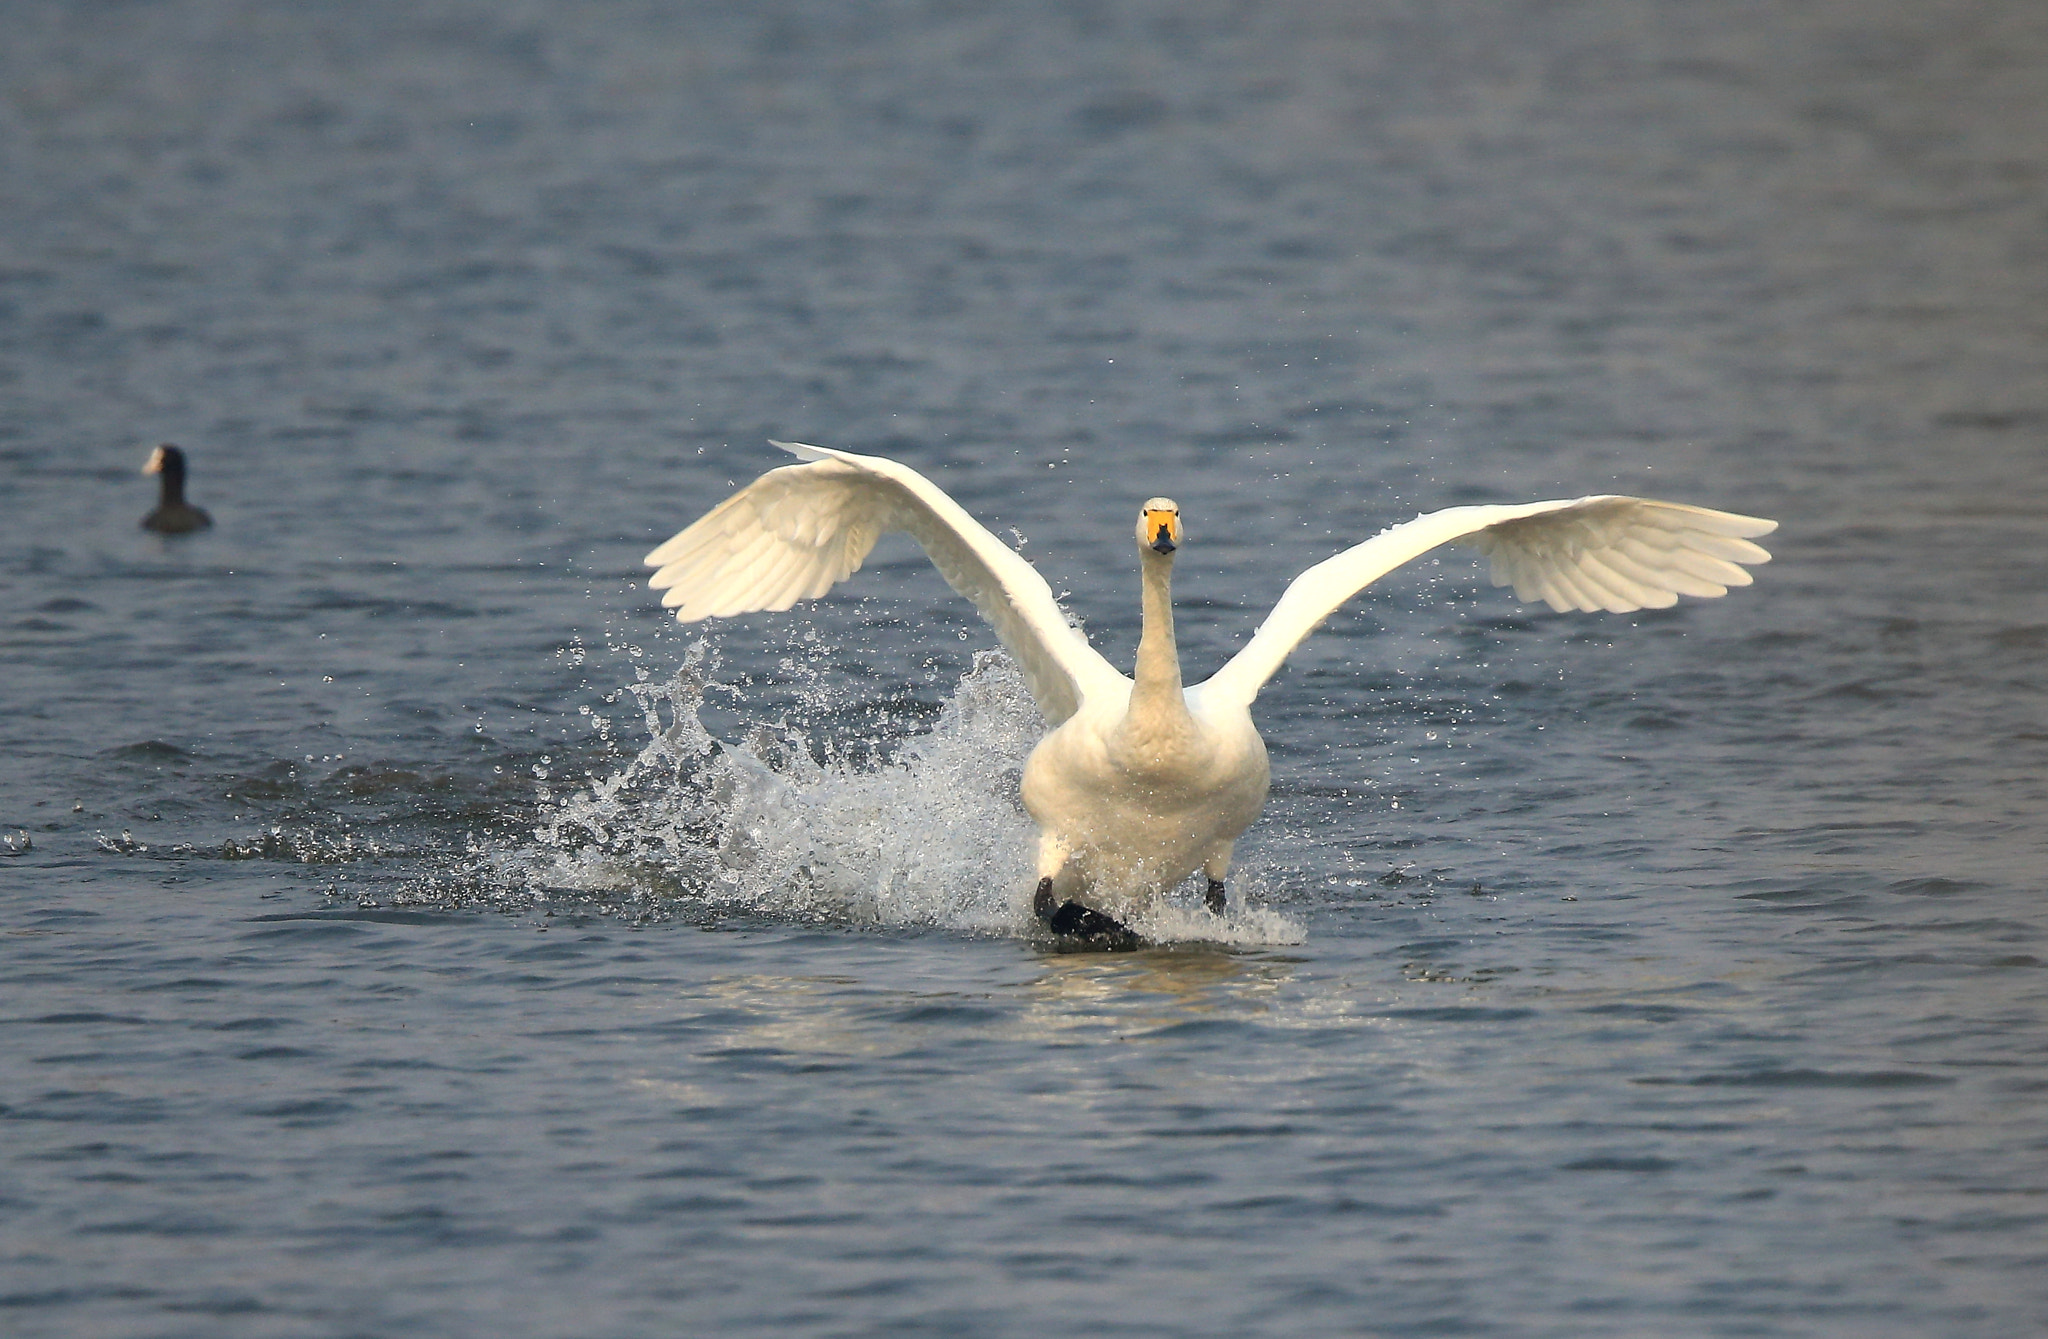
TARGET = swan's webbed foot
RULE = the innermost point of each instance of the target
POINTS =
(1078, 922)
(1214, 897)
(1071, 920)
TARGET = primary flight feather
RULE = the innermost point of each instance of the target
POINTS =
(1141, 781)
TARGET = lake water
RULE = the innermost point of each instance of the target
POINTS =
(406, 929)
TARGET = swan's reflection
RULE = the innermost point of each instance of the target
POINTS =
(1153, 989)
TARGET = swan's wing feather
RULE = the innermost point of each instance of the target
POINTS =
(796, 532)
(1606, 552)
(1625, 553)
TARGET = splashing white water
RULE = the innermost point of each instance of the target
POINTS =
(784, 825)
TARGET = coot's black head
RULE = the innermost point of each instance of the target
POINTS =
(169, 461)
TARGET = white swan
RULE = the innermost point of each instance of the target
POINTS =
(1141, 781)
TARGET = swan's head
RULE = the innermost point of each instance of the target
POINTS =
(1159, 525)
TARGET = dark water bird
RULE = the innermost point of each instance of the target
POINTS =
(173, 514)
(1141, 781)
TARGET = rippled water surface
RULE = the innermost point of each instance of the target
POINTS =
(405, 930)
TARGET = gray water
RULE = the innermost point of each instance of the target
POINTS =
(408, 930)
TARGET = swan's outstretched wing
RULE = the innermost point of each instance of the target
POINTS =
(796, 532)
(1607, 552)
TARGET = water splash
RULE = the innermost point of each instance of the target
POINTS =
(789, 824)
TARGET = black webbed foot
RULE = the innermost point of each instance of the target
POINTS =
(1071, 920)
(1214, 897)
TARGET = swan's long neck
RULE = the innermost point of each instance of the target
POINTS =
(1157, 676)
(1157, 734)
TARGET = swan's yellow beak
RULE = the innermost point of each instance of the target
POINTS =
(1159, 528)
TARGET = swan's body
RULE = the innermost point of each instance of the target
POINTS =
(1147, 781)
(1142, 781)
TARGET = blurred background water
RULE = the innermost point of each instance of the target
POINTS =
(389, 947)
